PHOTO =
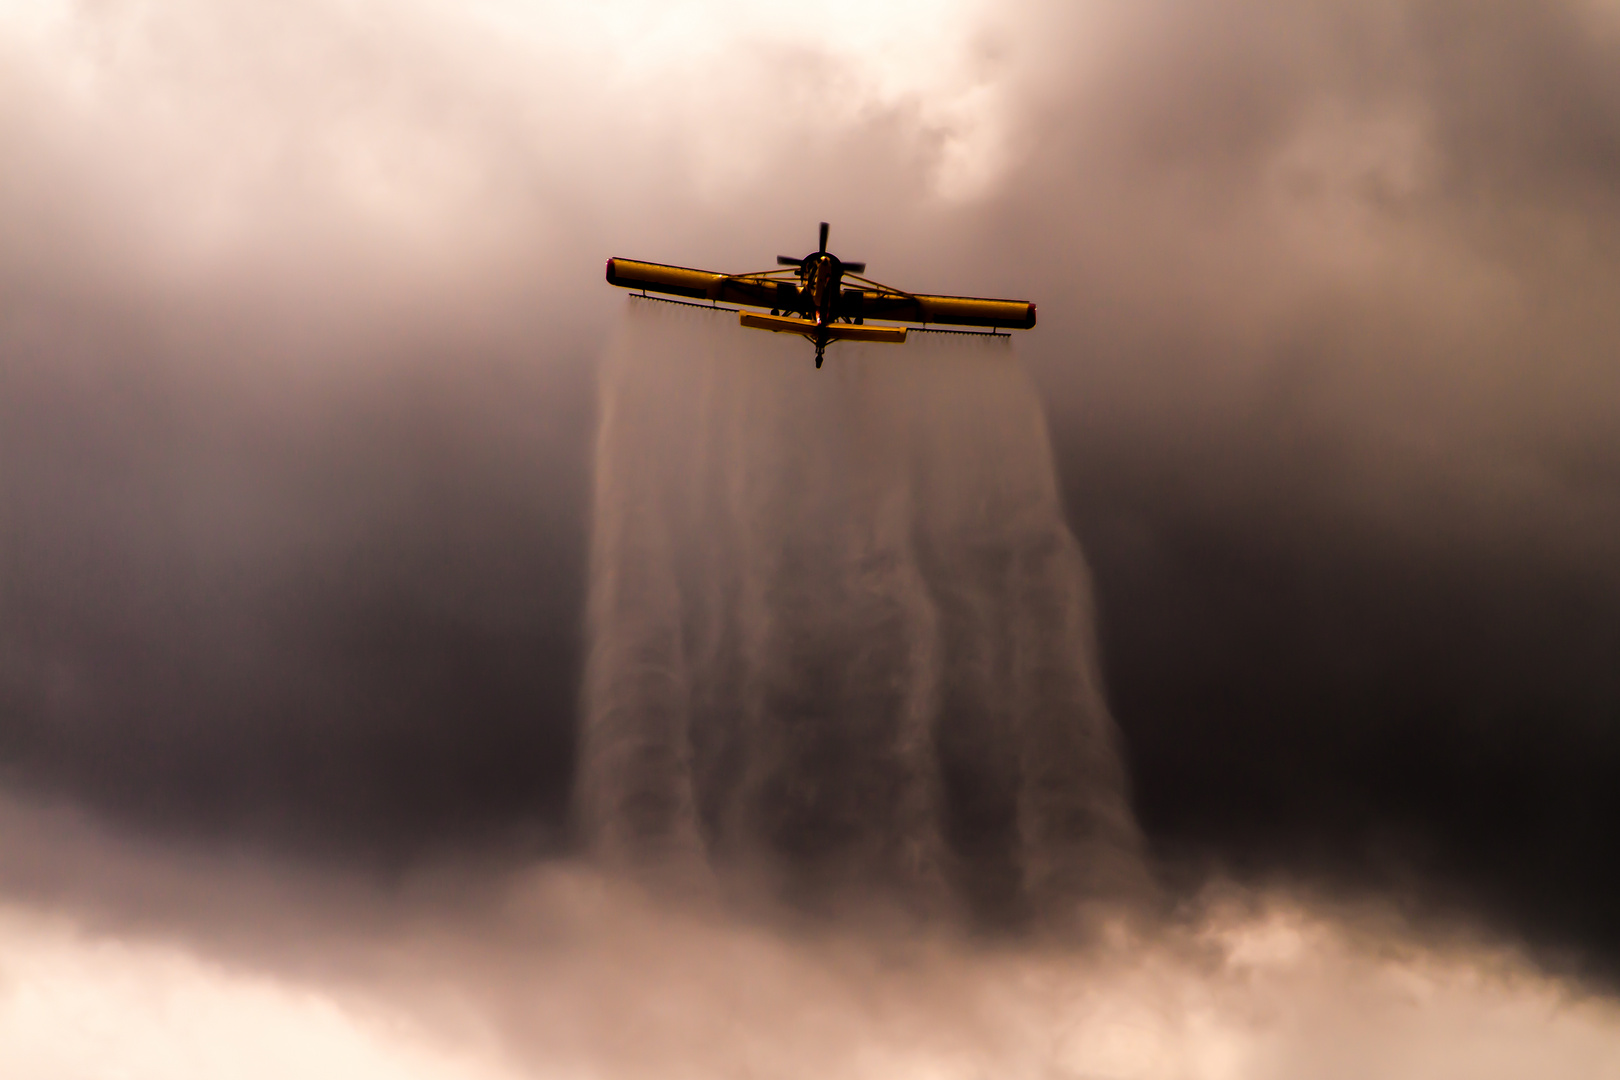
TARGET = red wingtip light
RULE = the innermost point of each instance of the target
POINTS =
(1031, 316)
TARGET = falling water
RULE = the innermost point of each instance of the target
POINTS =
(838, 625)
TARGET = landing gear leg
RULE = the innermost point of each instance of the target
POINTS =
(819, 349)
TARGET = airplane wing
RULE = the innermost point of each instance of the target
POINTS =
(755, 290)
(873, 301)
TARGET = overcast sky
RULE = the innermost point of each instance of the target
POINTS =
(301, 315)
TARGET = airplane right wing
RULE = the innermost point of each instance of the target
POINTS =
(756, 290)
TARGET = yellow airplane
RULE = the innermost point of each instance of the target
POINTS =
(819, 306)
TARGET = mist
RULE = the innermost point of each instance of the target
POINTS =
(829, 630)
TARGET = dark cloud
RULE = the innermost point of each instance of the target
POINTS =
(344, 616)
(1333, 404)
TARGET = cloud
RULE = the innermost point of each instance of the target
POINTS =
(175, 964)
(300, 308)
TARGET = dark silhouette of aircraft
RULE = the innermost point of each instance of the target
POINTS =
(819, 305)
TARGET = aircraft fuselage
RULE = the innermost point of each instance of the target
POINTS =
(823, 277)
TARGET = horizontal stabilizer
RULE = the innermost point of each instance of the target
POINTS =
(780, 324)
(894, 334)
(837, 332)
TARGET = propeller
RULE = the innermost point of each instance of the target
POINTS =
(852, 267)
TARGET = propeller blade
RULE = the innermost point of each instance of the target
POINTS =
(824, 237)
(855, 267)
(788, 260)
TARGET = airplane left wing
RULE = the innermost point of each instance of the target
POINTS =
(873, 301)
